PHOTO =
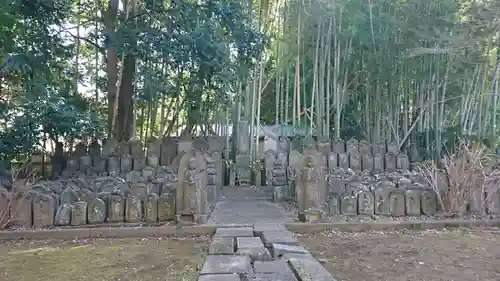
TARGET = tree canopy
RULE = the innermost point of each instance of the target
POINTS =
(421, 74)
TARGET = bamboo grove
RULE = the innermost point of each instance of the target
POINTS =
(421, 73)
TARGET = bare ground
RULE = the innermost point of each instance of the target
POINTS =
(449, 255)
(171, 259)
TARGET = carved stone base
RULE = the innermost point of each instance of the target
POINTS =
(312, 215)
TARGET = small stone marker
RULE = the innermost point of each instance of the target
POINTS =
(43, 211)
(79, 213)
(227, 264)
(63, 215)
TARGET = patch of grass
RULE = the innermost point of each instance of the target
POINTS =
(172, 259)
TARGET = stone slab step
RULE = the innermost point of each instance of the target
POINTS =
(260, 228)
(308, 268)
(275, 266)
(220, 277)
(243, 193)
(281, 250)
(255, 253)
(284, 237)
(225, 264)
(221, 246)
(270, 277)
(234, 232)
(248, 242)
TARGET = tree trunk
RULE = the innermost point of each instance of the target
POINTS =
(124, 129)
(124, 120)
(111, 59)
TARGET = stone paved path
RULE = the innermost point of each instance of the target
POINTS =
(264, 252)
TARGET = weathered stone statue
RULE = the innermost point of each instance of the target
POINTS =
(191, 193)
(311, 189)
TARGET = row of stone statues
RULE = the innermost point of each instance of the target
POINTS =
(321, 191)
(153, 194)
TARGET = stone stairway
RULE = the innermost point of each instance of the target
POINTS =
(264, 252)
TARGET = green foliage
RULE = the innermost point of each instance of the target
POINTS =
(38, 99)
(197, 50)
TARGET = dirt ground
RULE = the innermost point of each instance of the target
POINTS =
(172, 259)
(450, 255)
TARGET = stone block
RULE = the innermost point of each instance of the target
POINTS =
(220, 277)
(224, 264)
(248, 242)
(253, 247)
(280, 236)
(275, 266)
(280, 250)
(271, 277)
(260, 228)
(309, 269)
(234, 232)
(255, 253)
(222, 246)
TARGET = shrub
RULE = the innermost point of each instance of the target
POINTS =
(466, 179)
